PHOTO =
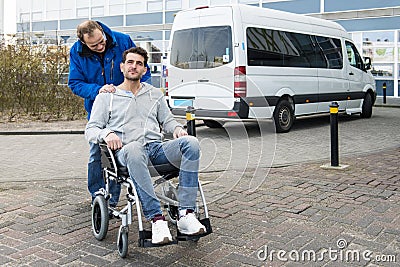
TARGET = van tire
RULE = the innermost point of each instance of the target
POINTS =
(283, 116)
(213, 124)
(366, 111)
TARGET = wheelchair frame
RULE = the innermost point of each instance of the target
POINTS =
(101, 208)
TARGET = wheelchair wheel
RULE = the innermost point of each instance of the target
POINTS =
(122, 241)
(173, 213)
(100, 217)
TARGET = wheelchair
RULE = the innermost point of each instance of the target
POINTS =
(166, 191)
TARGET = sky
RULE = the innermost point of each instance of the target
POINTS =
(9, 16)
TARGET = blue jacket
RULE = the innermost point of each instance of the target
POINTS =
(88, 72)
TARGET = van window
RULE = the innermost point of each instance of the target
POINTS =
(267, 47)
(332, 50)
(201, 48)
(354, 57)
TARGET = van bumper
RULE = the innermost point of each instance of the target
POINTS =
(240, 111)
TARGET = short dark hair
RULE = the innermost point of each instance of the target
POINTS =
(136, 50)
(87, 27)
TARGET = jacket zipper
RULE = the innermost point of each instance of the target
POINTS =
(102, 70)
(112, 68)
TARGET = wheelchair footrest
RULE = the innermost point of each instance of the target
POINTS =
(145, 240)
(184, 237)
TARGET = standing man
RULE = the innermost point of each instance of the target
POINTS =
(130, 122)
(94, 68)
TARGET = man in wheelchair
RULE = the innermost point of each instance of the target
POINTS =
(130, 122)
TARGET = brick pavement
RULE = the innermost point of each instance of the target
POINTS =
(298, 209)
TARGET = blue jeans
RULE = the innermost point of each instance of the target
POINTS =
(95, 176)
(184, 151)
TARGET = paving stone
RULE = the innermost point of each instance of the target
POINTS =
(244, 259)
(374, 230)
(4, 260)
(94, 260)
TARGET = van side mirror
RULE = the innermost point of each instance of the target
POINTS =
(367, 63)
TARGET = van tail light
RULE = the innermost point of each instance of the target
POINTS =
(166, 82)
(240, 84)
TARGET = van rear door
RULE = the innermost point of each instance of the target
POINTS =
(201, 64)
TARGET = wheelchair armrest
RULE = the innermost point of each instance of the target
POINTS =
(108, 157)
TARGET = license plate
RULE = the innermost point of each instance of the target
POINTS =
(183, 102)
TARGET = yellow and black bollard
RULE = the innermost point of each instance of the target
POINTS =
(334, 109)
(190, 121)
(384, 92)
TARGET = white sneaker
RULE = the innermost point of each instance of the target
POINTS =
(160, 233)
(189, 225)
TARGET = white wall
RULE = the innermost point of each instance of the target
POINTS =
(9, 16)
(2, 16)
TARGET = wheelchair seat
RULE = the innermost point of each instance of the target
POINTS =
(108, 160)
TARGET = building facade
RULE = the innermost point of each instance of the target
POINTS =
(1, 20)
(374, 25)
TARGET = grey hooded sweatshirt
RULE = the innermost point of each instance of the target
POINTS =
(133, 118)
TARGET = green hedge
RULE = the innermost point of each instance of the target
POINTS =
(30, 84)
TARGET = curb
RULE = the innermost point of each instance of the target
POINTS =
(44, 132)
(386, 106)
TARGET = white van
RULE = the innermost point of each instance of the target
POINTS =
(240, 62)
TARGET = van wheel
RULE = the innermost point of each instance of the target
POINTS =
(366, 111)
(283, 116)
(213, 124)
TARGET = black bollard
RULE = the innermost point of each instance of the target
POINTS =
(334, 108)
(384, 92)
(190, 121)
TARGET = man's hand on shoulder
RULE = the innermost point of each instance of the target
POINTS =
(113, 141)
(179, 132)
(108, 88)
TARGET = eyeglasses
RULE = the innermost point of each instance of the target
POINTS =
(101, 42)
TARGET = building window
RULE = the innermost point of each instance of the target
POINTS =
(382, 70)
(67, 9)
(173, 4)
(37, 5)
(24, 6)
(116, 10)
(66, 14)
(379, 46)
(52, 10)
(248, 2)
(196, 3)
(376, 38)
(97, 11)
(383, 54)
(144, 19)
(219, 2)
(24, 17)
(154, 5)
(134, 6)
(97, 7)
(37, 16)
(82, 12)
(82, 3)
(116, 7)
